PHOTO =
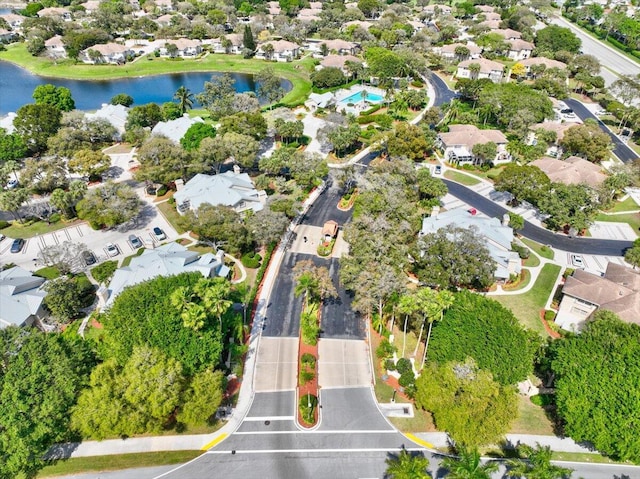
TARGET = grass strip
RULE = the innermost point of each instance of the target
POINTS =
(461, 178)
(116, 462)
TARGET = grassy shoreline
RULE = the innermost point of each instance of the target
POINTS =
(296, 72)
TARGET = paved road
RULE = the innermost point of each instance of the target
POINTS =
(443, 93)
(620, 149)
(614, 63)
(541, 235)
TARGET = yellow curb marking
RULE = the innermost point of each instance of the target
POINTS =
(217, 440)
(417, 440)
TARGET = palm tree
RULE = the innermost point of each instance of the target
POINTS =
(407, 466)
(537, 464)
(468, 465)
(409, 306)
(306, 285)
(268, 51)
(214, 296)
(185, 99)
(440, 302)
(364, 95)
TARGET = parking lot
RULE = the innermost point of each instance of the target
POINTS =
(95, 241)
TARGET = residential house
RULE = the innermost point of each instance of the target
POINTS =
(485, 8)
(320, 100)
(170, 259)
(283, 51)
(416, 25)
(164, 5)
(338, 61)
(584, 293)
(186, 47)
(231, 188)
(491, 16)
(307, 15)
(6, 122)
(175, 129)
(274, 8)
(54, 47)
(537, 62)
(164, 20)
(435, 9)
(14, 21)
(572, 171)
(116, 115)
(91, 6)
(8, 36)
(106, 53)
(557, 127)
(480, 68)
(519, 49)
(497, 236)
(508, 34)
(491, 24)
(338, 46)
(449, 51)
(21, 298)
(235, 45)
(358, 24)
(56, 12)
(457, 144)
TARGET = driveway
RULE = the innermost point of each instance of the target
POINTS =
(613, 231)
(343, 363)
(277, 364)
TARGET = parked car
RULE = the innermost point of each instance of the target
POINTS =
(12, 183)
(2, 236)
(112, 250)
(577, 261)
(438, 170)
(89, 258)
(17, 245)
(566, 111)
(135, 242)
(159, 234)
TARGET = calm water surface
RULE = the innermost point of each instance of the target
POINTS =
(17, 85)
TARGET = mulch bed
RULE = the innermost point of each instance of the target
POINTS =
(545, 324)
(311, 387)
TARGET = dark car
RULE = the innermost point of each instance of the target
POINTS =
(566, 111)
(17, 245)
(89, 258)
(135, 242)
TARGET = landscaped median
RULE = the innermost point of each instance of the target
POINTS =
(296, 72)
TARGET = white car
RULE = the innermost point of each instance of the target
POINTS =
(112, 250)
(12, 183)
(159, 234)
(577, 261)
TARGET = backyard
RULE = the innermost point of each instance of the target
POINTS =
(526, 307)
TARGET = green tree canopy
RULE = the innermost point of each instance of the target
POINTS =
(109, 205)
(66, 297)
(524, 182)
(36, 123)
(407, 465)
(597, 391)
(409, 141)
(12, 147)
(57, 96)
(586, 141)
(195, 134)
(40, 377)
(161, 326)
(574, 206)
(202, 398)
(122, 99)
(554, 38)
(219, 225)
(481, 328)
(466, 402)
(328, 77)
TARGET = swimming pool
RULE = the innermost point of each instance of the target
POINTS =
(357, 97)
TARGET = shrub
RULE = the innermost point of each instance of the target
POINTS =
(307, 406)
(324, 249)
(384, 121)
(549, 315)
(371, 110)
(542, 400)
(306, 376)
(172, 201)
(407, 379)
(54, 218)
(403, 366)
(309, 360)
(364, 119)
(522, 251)
(4, 224)
(162, 191)
(417, 84)
(103, 272)
(385, 350)
(328, 77)
(389, 365)
(251, 260)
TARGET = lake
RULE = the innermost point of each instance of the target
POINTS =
(17, 85)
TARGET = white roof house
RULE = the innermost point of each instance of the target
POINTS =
(498, 236)
(21, 297)
(7, 122)
(116, 115)
(170, 259)
(232, 189)
(175, 129)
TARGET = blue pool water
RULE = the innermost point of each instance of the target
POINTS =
(357, 97)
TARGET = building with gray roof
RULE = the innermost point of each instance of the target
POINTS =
(231, 188)
(498, 236)
(116, 115)
(175, 129)
(21, 298)
(170, 259)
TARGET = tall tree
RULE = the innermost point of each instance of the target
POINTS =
(536, 464)
(109, 205)
(468, 465)
(248, 41)
(57, 96)
(269, 86)
(36, 123)
(185, 98)
(407, 465)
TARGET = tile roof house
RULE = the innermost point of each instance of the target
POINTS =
(14, 21)
(547, 62)
(508, 34)
(56, 12)
(283, 51)
(457, 144)
(170, 259)
(230, 188)
(558, 127)
(488, 69)
(341, 47)
(358, 24)
(519, 49)
(236, 44)
(175, 129)
(21, 298)
(572, 171)
(54, 47)
(309, 14)
(449, 51)
(584, 293)
(186, 47)
(116, 115)
(338, 61)
(436, 9)
(485, 8)
(108, 53)
(498, 236)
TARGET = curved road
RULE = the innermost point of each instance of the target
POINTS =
(540, 235)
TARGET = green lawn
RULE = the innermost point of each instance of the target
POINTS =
(531, 419)
(296, 72)
(626, 205)
(526, 279)
(526, 307)
(29, 229)
(171, 215)
(461, 178)
(127, 260)
(116, 462)
(632, 219)
(49, 272)
(532, 261)
(541, 250)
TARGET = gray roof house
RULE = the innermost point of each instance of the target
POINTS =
(175, 129)
(21, 297)
(498, 236)
(170, 259)
(116, 115)
(230, 188)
